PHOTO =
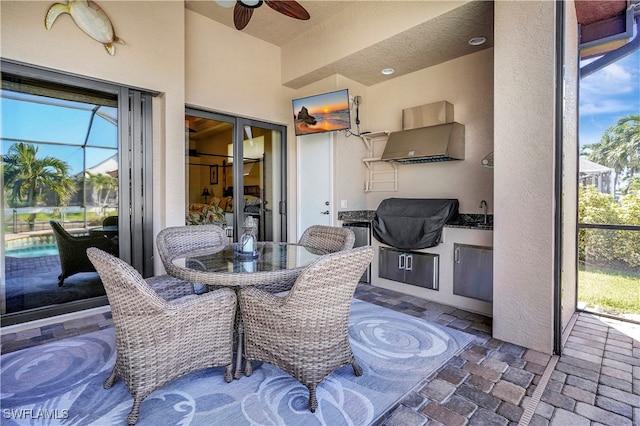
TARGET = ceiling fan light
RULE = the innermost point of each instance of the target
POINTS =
(226, 3)
(251, 3)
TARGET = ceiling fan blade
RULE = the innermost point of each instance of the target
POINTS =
(290, 8)
(241, 16)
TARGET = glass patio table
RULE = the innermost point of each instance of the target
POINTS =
(223, 266)
(276, 264)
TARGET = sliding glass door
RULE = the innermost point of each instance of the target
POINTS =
(235, 170)
(68, 148)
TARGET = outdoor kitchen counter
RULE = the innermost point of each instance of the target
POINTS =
(464, 220)
(466, 229)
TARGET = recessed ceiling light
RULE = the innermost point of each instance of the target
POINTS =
(477, 41)
(388, 71)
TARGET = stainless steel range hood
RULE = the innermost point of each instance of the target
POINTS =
(443, 141)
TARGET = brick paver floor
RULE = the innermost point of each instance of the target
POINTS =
(596, 381)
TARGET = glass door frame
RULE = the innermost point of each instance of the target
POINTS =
(239, 124)
(135, 147)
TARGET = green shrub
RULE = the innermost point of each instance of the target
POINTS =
(607, 247)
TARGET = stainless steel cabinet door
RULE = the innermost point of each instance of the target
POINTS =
(421, 269)
(473, 272)
(413, 268)
(391, 264)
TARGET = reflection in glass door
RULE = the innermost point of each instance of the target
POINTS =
(225, 191)
(60, 190)
(262, 179)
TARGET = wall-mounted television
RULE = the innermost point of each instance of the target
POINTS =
(326, 112)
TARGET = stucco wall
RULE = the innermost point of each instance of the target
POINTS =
(465, 82)
(524, 173)
(187, 58)
(229, 71)
(152, 58)
(511, 85)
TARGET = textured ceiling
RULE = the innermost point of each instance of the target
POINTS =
(432, 42)
(267, 24)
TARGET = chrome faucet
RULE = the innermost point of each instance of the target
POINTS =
(483, 204)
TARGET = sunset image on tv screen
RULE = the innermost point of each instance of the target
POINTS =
(322, 113)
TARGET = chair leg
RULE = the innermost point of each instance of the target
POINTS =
(132, 418)
(357, 370)
(313, 401)
(60, 280)
(228, 373)
(110, 380)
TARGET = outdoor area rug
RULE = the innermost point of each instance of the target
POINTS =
(61, 382)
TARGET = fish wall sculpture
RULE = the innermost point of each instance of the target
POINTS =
(90, 18)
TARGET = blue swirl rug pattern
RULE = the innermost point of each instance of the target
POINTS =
(61, 382)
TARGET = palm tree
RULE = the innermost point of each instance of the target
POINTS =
(26, 177)
(100, 181)
(618, 149)
(629, 128)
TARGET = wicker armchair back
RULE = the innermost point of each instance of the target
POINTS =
(175, 240)
(72, 250)
(306, 332)
(328, 238)
(158, 341)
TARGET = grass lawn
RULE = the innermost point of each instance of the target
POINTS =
(609, 291)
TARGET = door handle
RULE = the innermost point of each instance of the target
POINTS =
(401, 259)
(409, 264)
(325, 212)
(456, 255)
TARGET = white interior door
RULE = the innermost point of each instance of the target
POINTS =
(315, 171)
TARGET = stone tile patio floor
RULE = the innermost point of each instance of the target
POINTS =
(596, 381)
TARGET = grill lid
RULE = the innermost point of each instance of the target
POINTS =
(412, 223)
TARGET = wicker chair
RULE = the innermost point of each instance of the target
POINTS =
(73, 250)
(305, 333)
(328, 238)
(110, 221)
(158, 341)
(175, 240)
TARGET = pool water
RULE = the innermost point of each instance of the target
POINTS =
(33, 251)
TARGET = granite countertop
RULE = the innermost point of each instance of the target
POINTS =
(463, 220)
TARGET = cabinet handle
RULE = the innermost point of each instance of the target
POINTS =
(456, 255)
(409, 262)
(401, 259)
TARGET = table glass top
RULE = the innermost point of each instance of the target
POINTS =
(268, 257)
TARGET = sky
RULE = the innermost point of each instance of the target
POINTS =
(608, 95)
(59, 122)
(338, 100)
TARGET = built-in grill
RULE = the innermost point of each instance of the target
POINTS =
(412, 223)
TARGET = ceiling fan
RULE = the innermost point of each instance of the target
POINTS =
(243, 9)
